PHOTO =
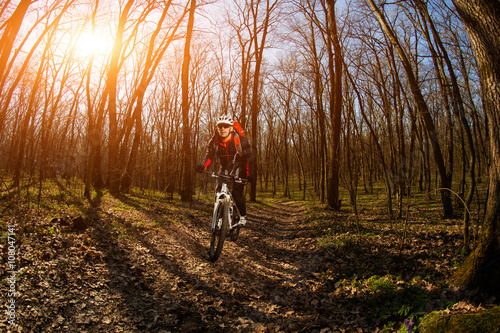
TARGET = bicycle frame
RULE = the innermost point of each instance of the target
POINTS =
(221, 195)
(224, 217)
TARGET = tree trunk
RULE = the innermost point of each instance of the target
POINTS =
(254, 109)
(111, 86)
(126, 179)
(259, 51)
(92, 129)
(12, 26)
(320, 114)
(335, 112)
(187, 181)
(482, 21)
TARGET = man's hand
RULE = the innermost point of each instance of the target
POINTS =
(199, 168)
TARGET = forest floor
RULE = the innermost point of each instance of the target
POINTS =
(132, 264)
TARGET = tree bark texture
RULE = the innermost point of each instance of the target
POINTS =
(482, 21)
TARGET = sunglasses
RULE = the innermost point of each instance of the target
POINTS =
(223, 126)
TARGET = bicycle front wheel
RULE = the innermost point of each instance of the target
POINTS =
(220, 230)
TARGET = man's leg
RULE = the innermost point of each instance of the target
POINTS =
(239, 199)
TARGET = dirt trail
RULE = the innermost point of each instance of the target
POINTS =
(156, 277)
(266, 281)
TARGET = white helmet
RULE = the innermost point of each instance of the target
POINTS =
(225, 120)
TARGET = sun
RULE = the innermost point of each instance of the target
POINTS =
(93, 44)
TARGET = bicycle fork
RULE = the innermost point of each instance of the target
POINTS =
(233, 214)
(215, 221)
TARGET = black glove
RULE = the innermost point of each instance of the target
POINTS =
(199, 168)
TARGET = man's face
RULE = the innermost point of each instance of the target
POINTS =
(224, 130)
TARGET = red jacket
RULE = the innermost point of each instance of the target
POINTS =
(234, 154)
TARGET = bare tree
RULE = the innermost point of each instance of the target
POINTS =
(110, 98)
(423, 108)
(245, 42)
(33, 99)
(457, 101)
(259, 46)
(335, 66)
(151, 62)
(94, 122)
(311, 33)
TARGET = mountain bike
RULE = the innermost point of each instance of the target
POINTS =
(226, 215)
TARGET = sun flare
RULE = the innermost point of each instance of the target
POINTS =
(96, 44)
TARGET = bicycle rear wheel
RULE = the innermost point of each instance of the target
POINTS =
(220, 230)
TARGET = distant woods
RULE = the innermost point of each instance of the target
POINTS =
(336, 96)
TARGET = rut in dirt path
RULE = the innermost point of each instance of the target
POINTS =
(278, 238)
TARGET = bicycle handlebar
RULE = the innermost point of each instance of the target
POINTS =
(226, 178)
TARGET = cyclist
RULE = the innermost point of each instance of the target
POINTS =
(235, 156)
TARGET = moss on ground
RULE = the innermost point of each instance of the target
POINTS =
(480, 322)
